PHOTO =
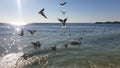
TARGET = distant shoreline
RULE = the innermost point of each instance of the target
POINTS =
(115, 22)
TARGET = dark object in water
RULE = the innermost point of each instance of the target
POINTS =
(62, 4)
(54, 48)
(31, 31)
(63, 21)
(22, 33)
(66, 45)
(75, 43)
(80, 39)
(42, 13)
(36, 44)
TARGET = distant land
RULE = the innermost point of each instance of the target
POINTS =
(108, 22)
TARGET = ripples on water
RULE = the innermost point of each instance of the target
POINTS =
(100, 46)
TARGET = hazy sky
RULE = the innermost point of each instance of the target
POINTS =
(77, 10)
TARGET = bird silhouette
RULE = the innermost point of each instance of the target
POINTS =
(54, 48)
(42, 13)
(63, 12)
(36, 44)
(62, 4)
(31, 31)
(63, 21)
(22, 33)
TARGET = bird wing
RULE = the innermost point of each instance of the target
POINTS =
(42, 13)
(60, 20)
(65, 20)
(64, 3)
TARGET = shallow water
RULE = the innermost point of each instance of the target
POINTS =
(100, 47)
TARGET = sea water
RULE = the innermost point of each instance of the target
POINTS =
(99, 48)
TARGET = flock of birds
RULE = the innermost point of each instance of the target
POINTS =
(37, 44)
(63, 21)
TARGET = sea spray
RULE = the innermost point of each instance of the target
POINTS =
(15, 60)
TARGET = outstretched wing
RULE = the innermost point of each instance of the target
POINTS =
(64, 3)
(60, 20)
(42, 13)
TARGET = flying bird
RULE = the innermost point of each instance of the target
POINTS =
(63, 21)
(22, 33)
(63, 12)
(31, 31)
(42, 13)
(62, 4)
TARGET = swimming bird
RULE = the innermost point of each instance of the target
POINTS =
(22, 33)
(63, 21)
(42, 13)
(63, 12)
(66, 45)
(62, 4)
(54, 48)
(31, 31)
(36, 44)
(76, 42)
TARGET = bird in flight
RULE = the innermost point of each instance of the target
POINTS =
(31, 31)
(22, 33)
(63, 12)
(63, 21)
(62, 4)
(42, 13)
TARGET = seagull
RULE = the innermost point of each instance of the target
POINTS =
(62, 4)
(31, 31)
(22, 33)
(42, 13)
(36, 44)
(63, 21)
(63, 12)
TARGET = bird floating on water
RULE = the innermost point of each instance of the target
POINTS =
(62, 4)
(42, 13)
(63, 22)
(36, 44)
(54, 48)
(22, 33)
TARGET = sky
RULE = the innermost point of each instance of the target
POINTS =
(78, 11)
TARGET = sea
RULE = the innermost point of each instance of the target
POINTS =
(98, 48)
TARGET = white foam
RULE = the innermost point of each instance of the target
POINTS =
(9, 60)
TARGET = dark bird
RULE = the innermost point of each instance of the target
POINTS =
(36, 44)
(63, 21)
(76, 42)
(22, 33)
(66, 45)
(62, 4)
(31, 31)
(54, 48)
(42, 13)
(63, 12)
